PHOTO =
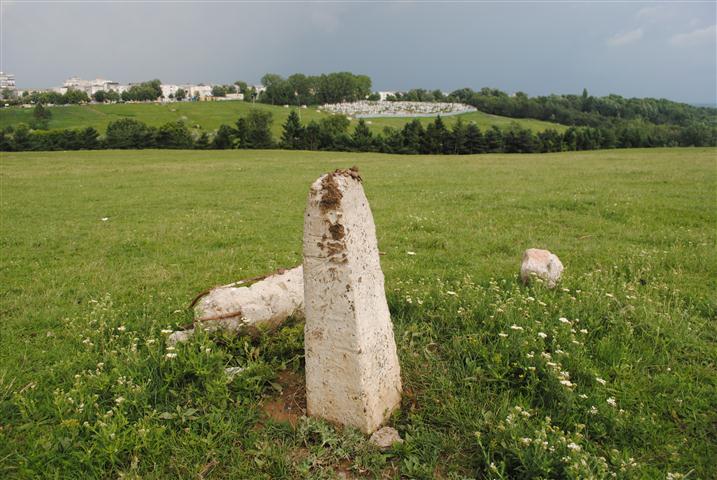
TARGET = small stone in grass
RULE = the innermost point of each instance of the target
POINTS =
(385, 437)
(232, 372)
(542, 264)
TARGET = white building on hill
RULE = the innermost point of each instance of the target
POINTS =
(90, 87)
(7, 81)
(201, 91)
(169, 91)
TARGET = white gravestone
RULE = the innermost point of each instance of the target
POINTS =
(352, 371)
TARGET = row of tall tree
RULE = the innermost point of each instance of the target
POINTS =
(126, 133)
(70, 97)
(334, 132)
(300, 89)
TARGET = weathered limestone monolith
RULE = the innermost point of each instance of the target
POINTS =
(352, 371)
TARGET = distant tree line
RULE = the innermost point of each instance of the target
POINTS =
(143, 92)
(610, 112)
(70, 97)
(300, 89)
(585, 109)
(333, 133)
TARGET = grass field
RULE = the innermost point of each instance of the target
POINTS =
(210, 115)
(87, 389)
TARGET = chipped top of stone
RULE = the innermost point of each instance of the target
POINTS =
(331, 194)
(348, 172)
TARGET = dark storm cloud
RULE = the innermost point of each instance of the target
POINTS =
(634, 49)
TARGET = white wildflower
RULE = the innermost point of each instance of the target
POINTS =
(573, 446)
(166, 330)
(450, 292)
(563, 320)
(170, 355)
(121, 328)
(410, 253)
(612, 402)
(600, 381)
(501, 334)
(542, 335)
(516, 327)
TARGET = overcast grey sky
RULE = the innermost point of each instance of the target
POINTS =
(630, 48)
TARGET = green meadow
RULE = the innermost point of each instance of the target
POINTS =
(611, 375)
(210, 115)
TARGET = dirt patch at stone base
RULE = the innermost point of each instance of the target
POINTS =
(290, 405)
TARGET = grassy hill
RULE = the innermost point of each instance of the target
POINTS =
(209, 115)
(103, 250)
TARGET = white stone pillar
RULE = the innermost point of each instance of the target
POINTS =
(352, 371)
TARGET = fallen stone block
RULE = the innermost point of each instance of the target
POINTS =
(267, 302)
(541, 264)
(352, 370)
